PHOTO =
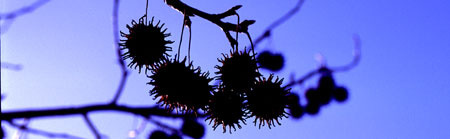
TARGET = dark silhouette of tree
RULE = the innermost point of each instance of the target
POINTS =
(186, 92)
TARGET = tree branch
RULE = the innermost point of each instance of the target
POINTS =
(42, 132)
(214, 18)
(123, 68)
(142, 111)
(356, 56)
(351, 65)
(279, 21)
(24, 10)
(91, 126)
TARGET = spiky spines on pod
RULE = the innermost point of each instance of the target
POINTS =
(239, 71)
(145, 44)
(179, 86)
(267, 101)
(226, 108)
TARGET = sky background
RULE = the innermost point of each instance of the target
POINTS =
(400, 89)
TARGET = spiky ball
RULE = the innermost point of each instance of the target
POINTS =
(179, 86)
(226, 108)
(267, 101)
(238, 71)
(145, 43)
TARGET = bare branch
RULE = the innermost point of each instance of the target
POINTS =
(24, 10)
(214, 18)
(142, 111)
(123, 68)
(43, 133)
(11, 66)
(278, 22)
(91, 126)
(303, 79)
(134, 133)
(162, 125)
(356, 56)
(351, 65)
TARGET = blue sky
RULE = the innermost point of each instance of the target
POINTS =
(399, 90)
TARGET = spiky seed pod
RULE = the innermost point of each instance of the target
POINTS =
(179, 86)
(226, 108)
(145, 43)
(238, 71)
(267, 101)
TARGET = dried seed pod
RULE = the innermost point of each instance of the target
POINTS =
(145, 43)
(179, 86)
(267, 101)
(272, 62)
(226, 108)
(238, 71)
(340, 94)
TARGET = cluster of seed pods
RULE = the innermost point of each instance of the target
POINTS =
(242, 91)
(326, 91)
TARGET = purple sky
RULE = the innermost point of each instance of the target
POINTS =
(399, 90)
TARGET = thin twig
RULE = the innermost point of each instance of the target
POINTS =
(134, 133)
(302, 79)
(11, 66)
(162, 125)
(115, 15)
(187, 10)
(237, 33)
(142, 111)
(23, 10)
(279, 21)
(91, 126)
(351, 65)
(181, 36)
(356, 57)
(43, 133)
(251, 42)
(190, 38)
(146, 12)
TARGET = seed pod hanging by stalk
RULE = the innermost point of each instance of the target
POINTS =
(179, 86)
(239, 71)
(267, 101)
(145, 44)
(226, 108)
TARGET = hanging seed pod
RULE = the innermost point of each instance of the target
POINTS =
(179, 86)
(272, 62)
(226, 108)
(325, 88)
(267, 101)
(145, 44)
(238, 71)
(340, 94)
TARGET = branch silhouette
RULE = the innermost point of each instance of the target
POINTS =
(43, 133)
(278, 22)
(141, 111)
(24, 10)
(214, 18)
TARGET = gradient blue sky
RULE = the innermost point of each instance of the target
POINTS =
(399, 90)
